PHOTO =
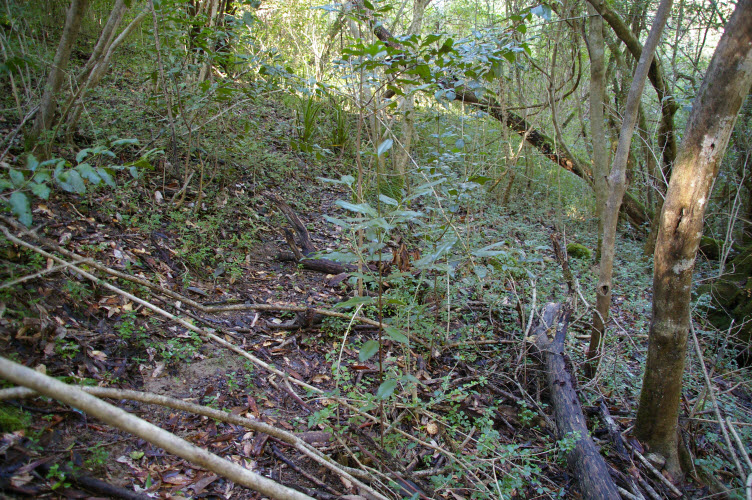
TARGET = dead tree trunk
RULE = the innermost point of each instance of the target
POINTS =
(584, 461)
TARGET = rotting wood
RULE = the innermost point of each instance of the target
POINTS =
(584, 460)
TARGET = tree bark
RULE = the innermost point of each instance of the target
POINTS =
(617, 182)
(710, 124)
(596, 47)
(46, 112)
(585, 462)
(95, 70)
(669, 106)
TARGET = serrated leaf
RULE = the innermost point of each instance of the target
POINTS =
(83, 154)
(19, 205)
(32, 163)
(384, 147)
(41, 190)
(386, 388)
(71, 181)
(42, 176)
(16, 177)
(396, 335)
(368, 350)
(88, 173)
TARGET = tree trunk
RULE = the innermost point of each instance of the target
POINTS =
(710, 124)
(617, 182)
(46, 112)
(597, 128)
(402, 156)
(584, 460)
(669, 106)
(95, 70)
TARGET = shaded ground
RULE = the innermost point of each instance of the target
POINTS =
(476, 392)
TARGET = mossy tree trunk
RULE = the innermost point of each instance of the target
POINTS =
(707, 134)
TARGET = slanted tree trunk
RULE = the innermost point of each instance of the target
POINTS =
(617, 183)
(710, 124)
(47, 106)
(99, 63)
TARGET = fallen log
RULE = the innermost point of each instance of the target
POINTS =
(584, 460)
(303, 255)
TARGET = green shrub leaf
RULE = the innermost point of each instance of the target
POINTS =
(386, 388)
(369, 349)
(19, 205)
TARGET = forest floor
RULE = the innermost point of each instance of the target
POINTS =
(476, 395)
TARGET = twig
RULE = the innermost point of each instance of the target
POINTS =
(625, 494)
(123, 420)
(178, 404)
(303, 473)
(713, 400)
(12, 136)
(655, 471)
(42, 273)
(95, 485)
(739, 443)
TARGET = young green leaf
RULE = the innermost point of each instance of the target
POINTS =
(386, 388)
(354, 301)
(41, 190)
(395, 335)
(16, 177)
(19, 205)
(384, 147)
(363, 208)
(369, 349)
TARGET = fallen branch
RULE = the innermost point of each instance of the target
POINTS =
(93, 484)
(584, 460)
(229, 345)
(177, 404)
(112, 415)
